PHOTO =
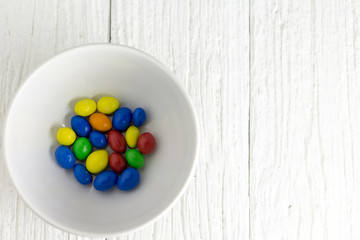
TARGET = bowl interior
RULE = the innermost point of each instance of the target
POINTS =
(45, 103)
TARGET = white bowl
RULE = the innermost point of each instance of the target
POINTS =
(45, 102)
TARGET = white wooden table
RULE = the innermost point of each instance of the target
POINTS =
(276, 86)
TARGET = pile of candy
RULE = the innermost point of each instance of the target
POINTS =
(96, 129)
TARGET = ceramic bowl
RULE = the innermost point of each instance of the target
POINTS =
(46, 101)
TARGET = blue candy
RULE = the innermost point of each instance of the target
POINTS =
(139, 117)
(80, 126)
(82, 175)
(105, 181)
(65, 157)
(98, 139)
(129, 179)
(122, 119)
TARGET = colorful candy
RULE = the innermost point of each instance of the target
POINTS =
(85, 107)
(116, 141)
(134, 158)
(146, 143)
(82, 175)
(66, 136)
(100, 122)
(98, 139)
(117, 162)
(97, 161)
(105, 181)
(98, 131)
(132, 135)
(122, 119)
(65, 157)
(129, 179)
(139, 117)
(107, 105)
(82, 148)
(80, 126)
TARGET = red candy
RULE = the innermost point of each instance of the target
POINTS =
(146, 143)
(116, 141)
(117, 162)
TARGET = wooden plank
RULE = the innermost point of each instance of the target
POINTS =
(31, 31)
(304, 167)
(205, 43)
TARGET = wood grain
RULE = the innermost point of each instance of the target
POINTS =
(32, 31)
(304, 131)
(205, 43)
(293, 63)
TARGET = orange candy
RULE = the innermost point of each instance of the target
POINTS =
(100, 122)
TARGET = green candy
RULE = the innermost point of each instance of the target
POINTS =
(134, 158)
(82, 148)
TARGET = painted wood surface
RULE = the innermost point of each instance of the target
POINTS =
(304, 119)
(206, 45)
(275, 86)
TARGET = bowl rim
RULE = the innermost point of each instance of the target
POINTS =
(165, 208)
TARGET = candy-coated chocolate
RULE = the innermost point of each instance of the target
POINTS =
(139, 117)
(132, 135)
(107, 105)
(116, 141)
(122, 119)
(134, 158)
(82, 148)
(98, 139)
(129, 179)
(97, 161)
(65, 157)
(99, 131)
(82, 175)
(81, 126)
(117, 162)
(146, 143)
(85, 107)
(100, 122)
(105, 181)
(66, 136)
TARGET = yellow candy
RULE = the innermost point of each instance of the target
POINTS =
(85, 107)
(66, 136)
(131, 136)
(107, 105)
(97, 161)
